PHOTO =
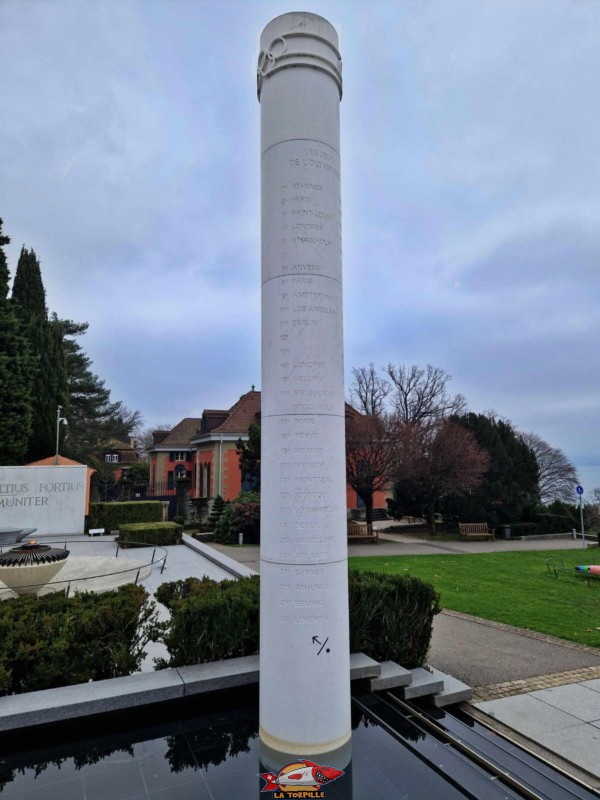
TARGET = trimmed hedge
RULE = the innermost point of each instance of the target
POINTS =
(210, 621)
(544, 524)
(554, 523)
(391, 618)
(140, 533)
(54, 641)
(523, 529)
(112, 515)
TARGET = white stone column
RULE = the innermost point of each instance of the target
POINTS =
(304, 662)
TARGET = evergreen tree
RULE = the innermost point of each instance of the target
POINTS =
(217, 509)
(28, 289)
(45, 340)
(249, 455)
(509, 491)
(93, 418)
(15, 375)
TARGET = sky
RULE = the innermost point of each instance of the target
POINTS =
(470, 131)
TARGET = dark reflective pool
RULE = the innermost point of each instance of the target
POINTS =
(196, 752)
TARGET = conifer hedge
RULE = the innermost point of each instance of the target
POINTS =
(210, 620)
(111, 516)
(54, 641)
(140, 533)
(391, 618)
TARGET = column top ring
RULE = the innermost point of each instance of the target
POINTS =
(299, 39)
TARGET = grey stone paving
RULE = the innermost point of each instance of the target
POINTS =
(540, 716)
(575, 699)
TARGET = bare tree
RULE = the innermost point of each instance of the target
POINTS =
(435, 461)
(557, 476)
(368, 391)
(591, 513)
(144, 439)
(420, 395)
(370, 456)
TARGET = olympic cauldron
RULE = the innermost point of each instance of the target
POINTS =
(28, 568)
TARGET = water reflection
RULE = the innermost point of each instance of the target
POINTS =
(210, 756)
(328, 775)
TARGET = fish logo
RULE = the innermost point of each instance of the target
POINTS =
(300, 776)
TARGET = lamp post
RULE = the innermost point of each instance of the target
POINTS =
(59, 420)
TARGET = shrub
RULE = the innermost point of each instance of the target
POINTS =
(54, 641)
(112, 515)
(210, 621)
(523, 529)
(169, 594)
(554, 523)
(216, 511)
(242, 515)
(544, 524)
(140, 533)
(391, 617)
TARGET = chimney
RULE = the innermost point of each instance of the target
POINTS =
(159, 436)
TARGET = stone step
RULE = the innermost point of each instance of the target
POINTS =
(423, 683)
(362, 666)
(454, 691)
(392, 675)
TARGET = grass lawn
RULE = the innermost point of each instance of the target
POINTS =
(514, 588)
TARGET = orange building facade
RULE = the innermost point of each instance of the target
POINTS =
(203, 450)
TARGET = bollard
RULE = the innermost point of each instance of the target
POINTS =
(240, 539)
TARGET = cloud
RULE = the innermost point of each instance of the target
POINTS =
(129, 159)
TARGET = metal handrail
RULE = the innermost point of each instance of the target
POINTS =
(162, 561)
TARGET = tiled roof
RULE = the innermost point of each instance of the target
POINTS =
(50, 461)
(351, 412)
(181, 433)
(115, 444)
(242, 414)
(238, 420)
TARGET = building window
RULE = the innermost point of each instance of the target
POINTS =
(107, 457)
(115, 458)
(180, 455)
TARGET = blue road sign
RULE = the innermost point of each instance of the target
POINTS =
(579, 490)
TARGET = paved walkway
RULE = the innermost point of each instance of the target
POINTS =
(393, 544)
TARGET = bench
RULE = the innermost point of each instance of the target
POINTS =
(362, 533)
(470, 529)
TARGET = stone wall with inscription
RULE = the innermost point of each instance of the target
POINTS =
(51, 499)
(304, 600)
